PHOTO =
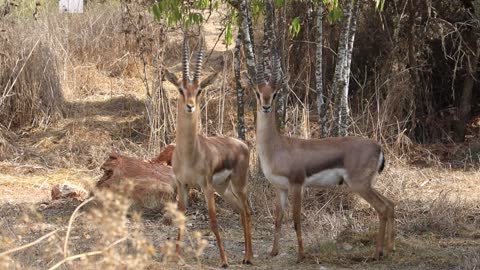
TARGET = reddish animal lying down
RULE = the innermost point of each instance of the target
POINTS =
(148, 183)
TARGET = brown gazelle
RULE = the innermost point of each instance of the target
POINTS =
(291, 164)
(211, 163)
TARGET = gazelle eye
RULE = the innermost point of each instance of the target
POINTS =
(199, 91)
(274, 95)
(180, 90)
(258, 94)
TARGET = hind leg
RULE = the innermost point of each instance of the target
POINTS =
(237, 195)
(390, 230)
(372, 197)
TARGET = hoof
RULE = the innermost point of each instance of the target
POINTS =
(225, 266)
(300, 258)
(378, 256)
(274, 253)
(248, 262)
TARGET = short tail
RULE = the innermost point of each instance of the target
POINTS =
(381, 162)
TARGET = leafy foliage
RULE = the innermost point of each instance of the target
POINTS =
(294, 27)
(175, 12)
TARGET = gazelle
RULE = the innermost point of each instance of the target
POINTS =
(211, 163)
(292, 164)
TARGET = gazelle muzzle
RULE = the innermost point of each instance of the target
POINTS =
(190, 108)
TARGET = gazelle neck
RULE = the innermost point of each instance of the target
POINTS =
(187, 126)
(267, 132)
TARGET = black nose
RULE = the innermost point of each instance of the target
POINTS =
(190, 107)
(266, 108)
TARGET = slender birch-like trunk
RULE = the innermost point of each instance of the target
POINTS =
(321, 105)
(269, 40)
(247, 34)
(344, 108)
(245, 38)
(339, 78)
(282, 95)
(240, 91)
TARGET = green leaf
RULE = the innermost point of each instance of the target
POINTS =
(279, 3)
(228, 34)
(335, 15)
(294, 27)
(157, 12)
(379, 4)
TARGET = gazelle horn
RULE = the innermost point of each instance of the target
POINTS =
(186, 77)
(198, 66)
(277, 69)
(260, 76)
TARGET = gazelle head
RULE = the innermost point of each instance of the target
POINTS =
(189, 89)
(266, 91)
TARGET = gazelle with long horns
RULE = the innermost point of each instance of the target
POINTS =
(214, 164)
(292, 164)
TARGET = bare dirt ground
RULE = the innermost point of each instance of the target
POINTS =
(437, 213)
(432, 233)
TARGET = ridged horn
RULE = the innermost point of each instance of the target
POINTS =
(185, 64)
(260, 76)
(277, 70)
(198, 66)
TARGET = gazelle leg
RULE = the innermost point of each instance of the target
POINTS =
(245, 215)
(182, 192)
(212, 215)
(372, 197)
(297, 219)
(390, 230)
(280, 206)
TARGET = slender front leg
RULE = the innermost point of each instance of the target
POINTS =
(280, 206)
(212, 214)
(297, 218)
(182, 192)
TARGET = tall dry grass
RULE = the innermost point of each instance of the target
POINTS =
(30, 86)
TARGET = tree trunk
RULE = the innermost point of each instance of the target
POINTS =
(339, 78)
(283, 94)
(240, 91)
(465, 106)
(245, 38)
(321, 105)
(247, 34)
(344, 111)
(269, 41)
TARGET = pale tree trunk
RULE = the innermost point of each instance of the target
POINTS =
(240, 91)
(269, 41)
(283, 94)
(339, 83)
(245, 38)
(344, 108)
(321, 105)
(247, 34)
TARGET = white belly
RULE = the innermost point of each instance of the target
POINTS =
(325, 178)
(220, 177)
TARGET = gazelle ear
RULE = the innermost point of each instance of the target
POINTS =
(171, 77)
(209, 80)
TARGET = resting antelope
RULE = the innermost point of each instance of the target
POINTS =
(291, 164)
(211, 163)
